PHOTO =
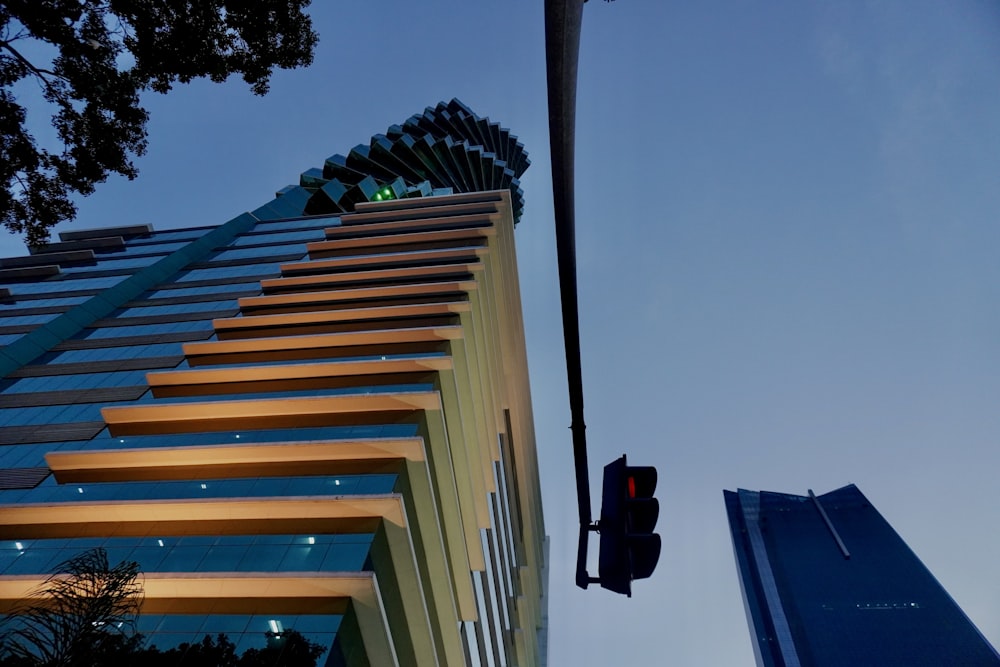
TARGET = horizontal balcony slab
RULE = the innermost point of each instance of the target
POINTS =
(332, 345)
(307, 300)
(283, 459)
(357, 410)
(377, 276)
(385, 261)
(201, 516)
(292, 377)
(401, 242)
(359, 318)
(422, 224)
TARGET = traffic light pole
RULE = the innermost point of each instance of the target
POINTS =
(629, 547)
(563, 19)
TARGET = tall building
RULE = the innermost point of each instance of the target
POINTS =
(315, 416)
(827, 582)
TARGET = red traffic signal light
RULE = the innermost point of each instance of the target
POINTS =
(629, 547)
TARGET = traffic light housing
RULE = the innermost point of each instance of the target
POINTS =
(629, 547)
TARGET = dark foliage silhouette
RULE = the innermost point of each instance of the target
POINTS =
(91, 60)
(85, 614)
(84, 610)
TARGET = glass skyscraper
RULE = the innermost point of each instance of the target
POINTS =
(315, 416)
(827, 582)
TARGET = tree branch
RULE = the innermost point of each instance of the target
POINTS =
(20, 182)
(39, 73)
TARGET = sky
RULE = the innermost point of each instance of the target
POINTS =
(787, 234)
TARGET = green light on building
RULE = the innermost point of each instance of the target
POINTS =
(384, 194)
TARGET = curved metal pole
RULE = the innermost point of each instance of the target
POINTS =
(563, 19)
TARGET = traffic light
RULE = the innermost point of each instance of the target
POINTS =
(629, 547)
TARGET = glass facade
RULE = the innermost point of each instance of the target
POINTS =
(245, 631)
(827, 582)
(310, 404)
(223, 553)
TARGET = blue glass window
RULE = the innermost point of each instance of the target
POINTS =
(143, 311)
(55, 301)
(109, 353)
(255, 487)
(26, 456)
(300, 223)
(280, 237)
(189, 234)
(27, 319)
(114, 264)
(226, 553)
(81, 381)
(65, 284)
(149, 329)
(50, 414)
(132, 248)
(259, 251)
(169, 631)
(221, 290)
(214, 273)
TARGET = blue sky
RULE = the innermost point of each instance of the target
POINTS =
(787, 251)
